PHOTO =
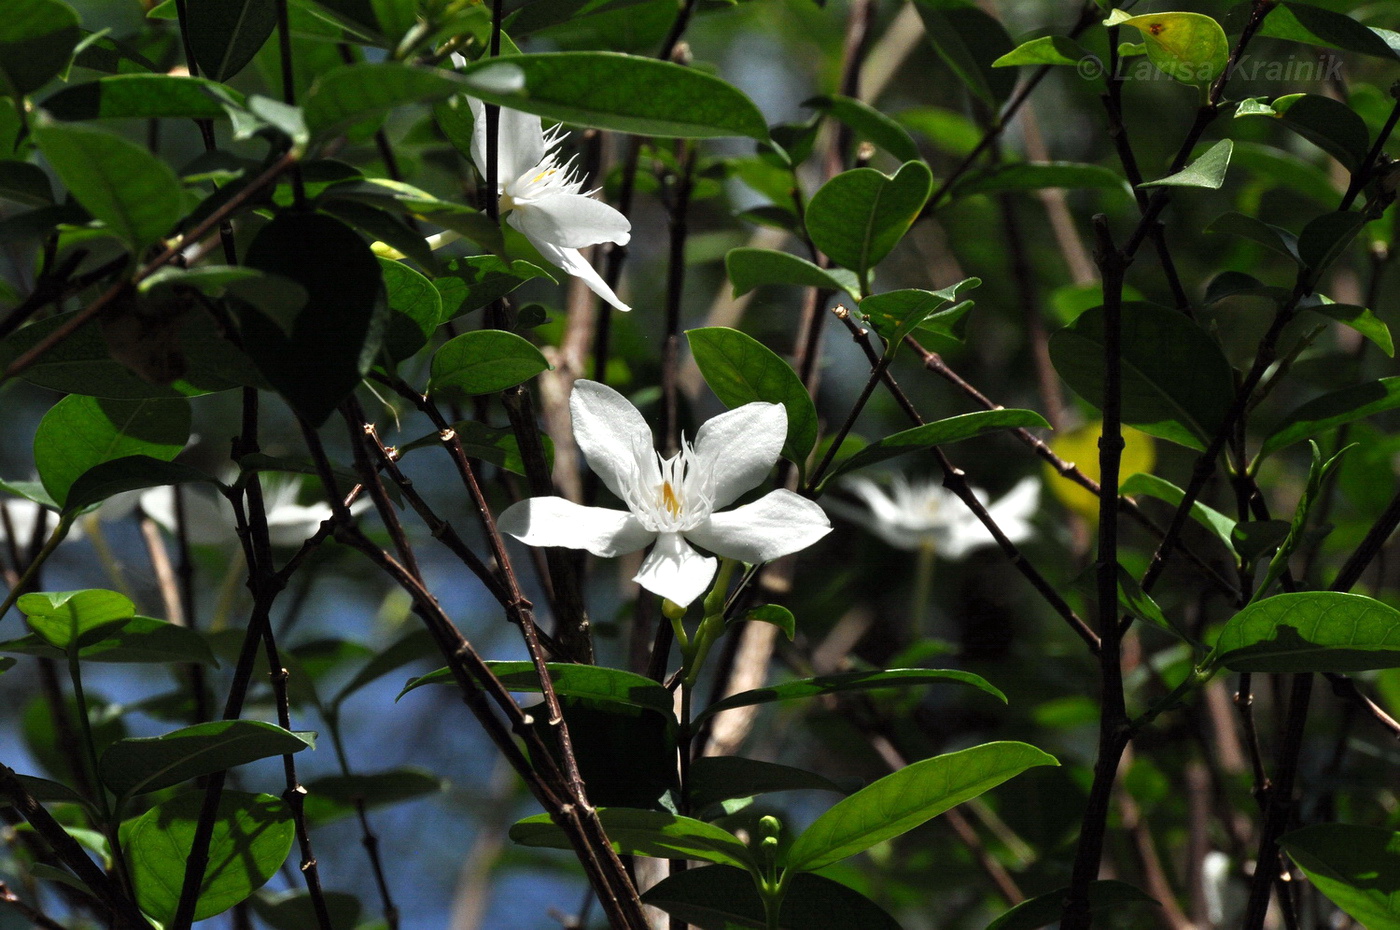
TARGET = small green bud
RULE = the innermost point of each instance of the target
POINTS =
(770, 827)
(671, 610)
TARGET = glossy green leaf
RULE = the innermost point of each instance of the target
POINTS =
(382, 226)
(969, 41)
(133, 640)
(1362, 320)
(741, 370)
(138, 96)
(1327, 236)
(1356, 867)
(585, 682)
(1105, 895)
(1046, 50)
(136, 766)
(36, 39)
(1159, 346)
(226, 34)
(1313, 631)
(499, 446)
(415, 309)
(79, 433)
(317, 361)
(1315, 25)
(351, 94)
(868, 124)
(1190, 47)
(1266, 234)
(903, 800)
(851, 681)
(624, 93)
(1329, 411)
(1220, 525)
(896, 314)
(335, 796)
(65, 619)
(1030, 176)
(780, 617)
(720, 778)
(1329, 124)
(253, 834)
(489, 278)
(134, 193)
(953, 429)
(659, 834)
(717, 897)
(1208, 170)
(484, 361)
(750, 268)
(859, 215)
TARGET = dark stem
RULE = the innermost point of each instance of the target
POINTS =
(678, 207)
(289, 90)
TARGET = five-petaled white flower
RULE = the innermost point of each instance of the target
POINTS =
(672, 502)
(921, 513)
(541, 196)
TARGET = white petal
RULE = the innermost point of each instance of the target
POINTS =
(23, 515)
(554, 521)
(208, 520)
(892, 535)
(571, 221)
(575, 264)
(775, 525)
(739, 448)
(1013, 512)
(676, 571)
(519, 142)
(611, 433)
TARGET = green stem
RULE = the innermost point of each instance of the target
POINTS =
(923, 591)
(104, 806)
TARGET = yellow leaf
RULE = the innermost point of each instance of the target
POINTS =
(1081, 446)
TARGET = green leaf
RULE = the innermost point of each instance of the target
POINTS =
(226, 34)
(135, 766)
(751, 268)
(317, 361)
(1247, 227)
(1315, 25)
(903, 800)
(7, 663)
(850, 681)
(584, 682)
(780, 617)
(484, 361)
(859, 215)
(489, 278)
(1329, 411)
(1327, 236)
(1046, 50)
(294, 910)
(1029, 176)
(253, 834)
(742, 370)
(1044, 910)
(134, 193)
(1140, 604)
(896, 314)
(1314, 631)
(382, 226)
(130, 473)
(24, 183)
(1258, 538)
(79, 433)
(1208, 170)
(624, 93)
(1190, 47)
(36, 39)
(1220, 525)
(1159, 347)
(136, 639)
(953, 429)
(1279, 169)
(720, 778)
(500, 446)
(970, 42)
(1329, 124)
(415, 305)
(66, 619)
(414, 646)
(1362, 320)
(1356, 867)
(138, 96)
(336, 796)
(717, 897)
(868, 124)
(350, 94)
(659, 834)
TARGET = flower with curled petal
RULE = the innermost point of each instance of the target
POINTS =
(674, 502)
(542, 196)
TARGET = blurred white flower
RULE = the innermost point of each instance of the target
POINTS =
(21, 515)
(542, 197)
(923, 514)
(672, 502)
(209, 518)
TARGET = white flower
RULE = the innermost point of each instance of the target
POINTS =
(209, 518)
(21, 514)
(541, 197)
(922, 513)
(672, 502)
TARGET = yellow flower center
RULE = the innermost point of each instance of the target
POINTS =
(669, 501)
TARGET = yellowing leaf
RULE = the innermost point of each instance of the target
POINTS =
(1081, 446)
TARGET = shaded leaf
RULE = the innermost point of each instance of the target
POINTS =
(489, 278)
(1356, 867)
(717, 897)
(1313, 631)
(130, 473)
(136, 766)
(79, 433)
(1315, 25)
(780, 617)
(136, 639)
(859, 215)
(350, 94)
(896, 314)
(585, 682)
(969, 41)
(659, 834)
(138, 96)
(953, 429)
(1029, 176)
(335, 796)
(1329, 411)
(1044, 910)
(1329, 124)
(720, 778)
(67, 618)
(1247, 227)
(850, 681)
(36, 39)
(416, 645)
(751, 268)
(226, 34)
(499, 446)
(1220, 525)
(1325, 237)
(1362, 320)
(869, 124)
